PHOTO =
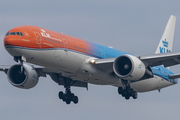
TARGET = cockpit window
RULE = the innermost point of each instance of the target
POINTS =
(20, 33)
(17, 33)
(7, 33)
(14, 33)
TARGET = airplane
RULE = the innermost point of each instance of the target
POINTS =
(71, 61)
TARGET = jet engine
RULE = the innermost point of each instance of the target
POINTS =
(23, 76)
(129, 67)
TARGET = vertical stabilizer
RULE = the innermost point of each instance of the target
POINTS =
(166, 42)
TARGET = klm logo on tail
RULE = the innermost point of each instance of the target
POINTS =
(165, 43)
(164, 49)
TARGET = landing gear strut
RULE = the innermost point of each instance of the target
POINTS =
(126, 91)
(68, 96)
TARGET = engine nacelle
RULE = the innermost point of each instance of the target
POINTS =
(129, 67)
(23, 76)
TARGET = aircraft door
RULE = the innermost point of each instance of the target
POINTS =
(38, 38)
(65, 43)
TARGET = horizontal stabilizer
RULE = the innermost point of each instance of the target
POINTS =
(174, 76)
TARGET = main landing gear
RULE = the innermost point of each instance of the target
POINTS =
(127, 91)
(68, 97)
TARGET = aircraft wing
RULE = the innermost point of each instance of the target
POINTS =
(104, 65)
(43, 72)
(4, 68)
(174, 76)
(166, 59)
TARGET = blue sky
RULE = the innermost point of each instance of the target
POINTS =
(131, 26)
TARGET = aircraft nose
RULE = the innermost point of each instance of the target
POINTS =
(10, 41)
(7, 41)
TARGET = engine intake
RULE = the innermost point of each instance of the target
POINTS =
(23, 76)
(129, 67)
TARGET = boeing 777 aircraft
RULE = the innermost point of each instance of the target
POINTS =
(71, 61)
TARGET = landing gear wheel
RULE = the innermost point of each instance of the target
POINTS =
(72, 95)
(127, 92)
(61, 95)
(68, 101)
(135, 95)
(64, 98)
(75, 99)
(123, 93)
(120, 90)
(127, 97)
